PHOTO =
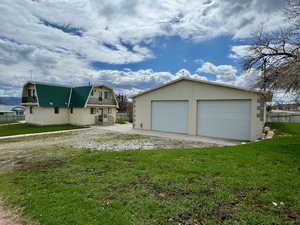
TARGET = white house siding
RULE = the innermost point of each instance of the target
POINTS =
(83, 116)
(46, 116)
(194, 91)
(97, 90)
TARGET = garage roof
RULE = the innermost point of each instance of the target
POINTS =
(198, 81)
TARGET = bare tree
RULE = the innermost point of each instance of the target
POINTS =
(277, 55)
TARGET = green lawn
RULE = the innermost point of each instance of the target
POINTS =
(121, 121)
(257, 183)
(8, 122)
(16, 129)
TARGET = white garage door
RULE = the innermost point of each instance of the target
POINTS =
(225, 119)
(170, 116)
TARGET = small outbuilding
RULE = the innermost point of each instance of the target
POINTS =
(203, 108)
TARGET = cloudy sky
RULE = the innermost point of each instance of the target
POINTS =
(130, 45)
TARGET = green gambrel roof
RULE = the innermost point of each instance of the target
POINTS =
(49, 95)
(79, 96)
(53, 96)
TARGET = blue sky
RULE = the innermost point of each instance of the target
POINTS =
(130, 45)
(174, 53)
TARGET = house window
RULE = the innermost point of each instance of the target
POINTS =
(71, 110)
(30, 109)
(100, 96)
(56, 110)
(93, 110)
(105, 94)
(31, 92)
(109, 110)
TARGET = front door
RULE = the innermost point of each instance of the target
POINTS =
(99, 117)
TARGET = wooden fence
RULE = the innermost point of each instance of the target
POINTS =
(283, 117)
(11, 117)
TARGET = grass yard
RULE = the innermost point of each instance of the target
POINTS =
(8, 122)
(255, 183)
(16, 129)
(121, 121)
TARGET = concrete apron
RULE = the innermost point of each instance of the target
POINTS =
(127, 128)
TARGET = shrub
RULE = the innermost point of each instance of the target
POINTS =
(121, 121)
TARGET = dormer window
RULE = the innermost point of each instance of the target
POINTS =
(107, 95)
(31, 92)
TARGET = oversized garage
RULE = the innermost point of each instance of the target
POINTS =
(196, 107)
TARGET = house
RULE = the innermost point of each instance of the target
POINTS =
(19, 110)
(9, 112)
(47, 104)
(286, 106)
(6, 110)
(203, 108)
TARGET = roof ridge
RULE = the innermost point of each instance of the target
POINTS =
(66, 86)
(49, 84)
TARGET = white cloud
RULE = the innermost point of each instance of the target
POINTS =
(70, 70)
(59, 39)
(281, 96)
(228, 74)
(239, 51)
(224, 73)
(247, 79)
(186, 73)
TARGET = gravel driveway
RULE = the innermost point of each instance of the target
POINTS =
(112, 138)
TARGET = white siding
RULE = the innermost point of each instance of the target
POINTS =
(46, 116)
(193, 92)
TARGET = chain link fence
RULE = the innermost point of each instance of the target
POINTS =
(11, 117)
(283, 117)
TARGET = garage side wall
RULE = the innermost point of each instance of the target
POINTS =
(194, 91)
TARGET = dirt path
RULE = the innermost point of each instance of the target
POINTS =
(7, 217)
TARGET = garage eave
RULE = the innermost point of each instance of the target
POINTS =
(198, 81)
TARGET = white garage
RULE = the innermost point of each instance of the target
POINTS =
(170, 116)
(202, 108)
(229, 119)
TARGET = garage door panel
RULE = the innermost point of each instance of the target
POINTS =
(170, 116)
(224, 119)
